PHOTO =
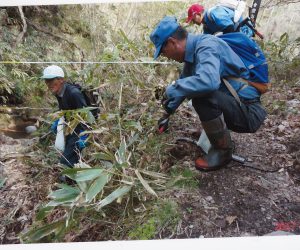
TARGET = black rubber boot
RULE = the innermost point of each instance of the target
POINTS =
(221, 151)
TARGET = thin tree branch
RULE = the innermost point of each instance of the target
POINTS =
(22, 34)
(272, 3)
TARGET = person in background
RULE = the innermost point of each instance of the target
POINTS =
(217, 19)
(207, 61)
(69, 97)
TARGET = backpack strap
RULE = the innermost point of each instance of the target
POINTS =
(261, 87)
(232, 91)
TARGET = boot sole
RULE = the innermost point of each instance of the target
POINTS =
(209, 169)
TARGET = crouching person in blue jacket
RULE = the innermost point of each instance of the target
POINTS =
(207, 60)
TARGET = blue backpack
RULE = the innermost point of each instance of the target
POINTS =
(253, 58)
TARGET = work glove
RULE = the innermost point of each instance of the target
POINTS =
(164, 102)
(82, 142)
(163, 123)
(53, 127)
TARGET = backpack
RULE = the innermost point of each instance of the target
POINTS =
(252, 57)
(91, 96)
(238, 6)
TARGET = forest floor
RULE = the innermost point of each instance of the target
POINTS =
(233, 201)
(239, 200)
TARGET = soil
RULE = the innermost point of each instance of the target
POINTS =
(22, 191)
(239, 200)
(234, 201)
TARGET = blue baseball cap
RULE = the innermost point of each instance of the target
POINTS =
(166, 27)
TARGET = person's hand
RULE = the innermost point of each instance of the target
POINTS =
(82, 142)
(164, 103)
(163, 123)
(53, 127)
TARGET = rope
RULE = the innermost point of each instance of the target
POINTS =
(89, 62)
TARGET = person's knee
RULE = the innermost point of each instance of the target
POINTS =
(66, 162)
(256, 117)
(254, 127)
(207, 107)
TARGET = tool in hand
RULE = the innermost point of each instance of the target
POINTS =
(253, 13)
(163, 124)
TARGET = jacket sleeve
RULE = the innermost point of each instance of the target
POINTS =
(206, 78)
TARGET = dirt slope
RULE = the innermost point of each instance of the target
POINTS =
(234, 201)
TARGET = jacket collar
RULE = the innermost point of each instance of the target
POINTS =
(190, 48)
(62, 91)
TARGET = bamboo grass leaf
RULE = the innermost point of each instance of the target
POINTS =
(121, 153)
(37, 234)
(133, 139)
(64, 194)
(95, 131)
(130, 43)
(2, 182)
(96, 186)
(104, 156)
(83, 185)
(43, 212)
(145, 184)
(113, 196)
(83, 174)
(154, 174)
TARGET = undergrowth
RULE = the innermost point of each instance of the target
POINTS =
(120, 177)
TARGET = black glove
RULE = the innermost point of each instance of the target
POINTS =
(163, 123)
(164, 102)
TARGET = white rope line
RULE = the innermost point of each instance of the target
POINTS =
(112, 62)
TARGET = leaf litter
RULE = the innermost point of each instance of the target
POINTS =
(241, 202)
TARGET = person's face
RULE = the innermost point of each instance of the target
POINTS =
(54, 85)
(197, 18)
(174, 49)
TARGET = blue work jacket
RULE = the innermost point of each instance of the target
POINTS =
(220, 18)
(208, 59)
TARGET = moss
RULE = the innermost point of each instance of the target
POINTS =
(183, 178)
(164, 217)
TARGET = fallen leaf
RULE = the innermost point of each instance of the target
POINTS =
(281, 128)
(231, 219)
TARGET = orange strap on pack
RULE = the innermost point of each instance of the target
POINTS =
(261, 87)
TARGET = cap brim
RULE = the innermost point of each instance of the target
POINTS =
(157, 52)
(48, 77)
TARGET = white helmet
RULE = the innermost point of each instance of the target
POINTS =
(53, 71)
